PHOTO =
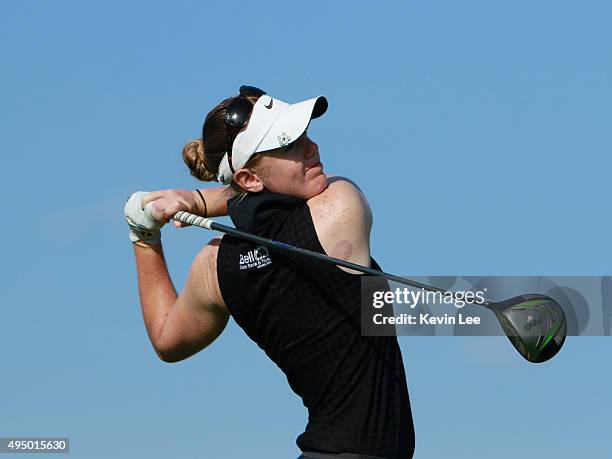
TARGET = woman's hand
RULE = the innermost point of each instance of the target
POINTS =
(144, 226)
(166, 203)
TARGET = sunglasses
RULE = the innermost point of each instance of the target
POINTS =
(237, 115)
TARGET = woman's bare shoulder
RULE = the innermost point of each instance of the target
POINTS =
(341, 195)
(343, 220)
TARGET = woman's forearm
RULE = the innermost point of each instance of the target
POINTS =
(216, 201)
(155, 288)
(210, 202)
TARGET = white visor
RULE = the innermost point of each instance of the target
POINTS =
(273, 124)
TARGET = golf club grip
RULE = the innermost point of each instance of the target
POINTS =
(210, 224)
(193, 219)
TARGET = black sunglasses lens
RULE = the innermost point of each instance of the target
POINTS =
(251, 91)
(238, 112)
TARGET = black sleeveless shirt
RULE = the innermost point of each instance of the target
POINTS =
(305, 315)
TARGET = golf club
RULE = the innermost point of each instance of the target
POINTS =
(535, 324)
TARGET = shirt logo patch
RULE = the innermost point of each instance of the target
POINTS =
(257, 258)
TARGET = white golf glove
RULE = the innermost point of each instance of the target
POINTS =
(143, 227)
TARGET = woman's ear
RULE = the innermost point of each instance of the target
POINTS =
(248, 180)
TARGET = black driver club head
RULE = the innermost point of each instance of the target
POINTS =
(535, 324)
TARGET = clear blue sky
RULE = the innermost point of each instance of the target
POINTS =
(479, 130)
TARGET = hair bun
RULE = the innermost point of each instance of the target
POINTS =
(195, 159)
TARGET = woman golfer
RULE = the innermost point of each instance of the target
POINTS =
(304, 314)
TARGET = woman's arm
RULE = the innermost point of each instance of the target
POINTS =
(180, 325)
(216, 201)
(155, 288)
(169, 202)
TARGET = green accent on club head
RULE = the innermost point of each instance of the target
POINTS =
(535, 353)
(531, 303)
(551, 334)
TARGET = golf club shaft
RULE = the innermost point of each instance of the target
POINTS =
(210, 224)
(522, 346)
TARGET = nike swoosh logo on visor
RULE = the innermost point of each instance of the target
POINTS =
(269, 106)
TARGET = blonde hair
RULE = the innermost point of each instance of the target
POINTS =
(195, 159)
